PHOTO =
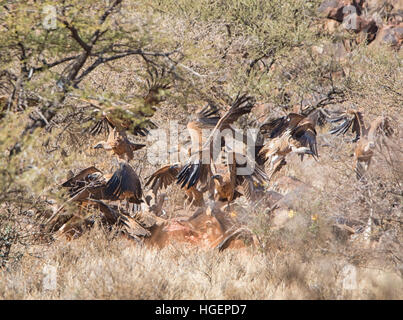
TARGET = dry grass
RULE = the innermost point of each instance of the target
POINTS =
(98, 266)
(299, 254)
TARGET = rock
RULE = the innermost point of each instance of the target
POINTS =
(391, 35)
(339, 9)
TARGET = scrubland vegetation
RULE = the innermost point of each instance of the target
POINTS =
(333, 238)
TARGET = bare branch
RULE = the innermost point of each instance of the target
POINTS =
(76, 36)
(47, 65)
(102, 60)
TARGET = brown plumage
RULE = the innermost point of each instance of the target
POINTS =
(318, 115)
(165, 176)
(123, 118)
(89, 187)
(119, 144)
(291, 133)
(90, 183)
(230, 182)
(201, 167)
(206, 118)
(133, 119)
(137, 227)
(197, 168)
(366, 136)
(124, 184)
(156, 87)
(225, 180)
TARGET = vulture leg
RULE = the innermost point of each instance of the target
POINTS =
(188, 200)
(361, 167)
(191, 204)
(228, 207)
(276, 163)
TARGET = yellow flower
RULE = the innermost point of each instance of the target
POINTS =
(233, 214)
(314, 217)
(291, 213)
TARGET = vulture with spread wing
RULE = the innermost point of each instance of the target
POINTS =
(366, 137)
(90, 183)
(135, 120)
(119, 120)
(165, 176)
(291, 133)
(119, 144)
(202, 169)
(206, 119)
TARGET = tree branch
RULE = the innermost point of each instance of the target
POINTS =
(47, 65)
(102, 60)
(76, 36)
(98, 33)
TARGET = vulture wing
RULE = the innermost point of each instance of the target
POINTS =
(276, 127)
(162, 178)
(89, 178)
(123, 182)
(350, 118)
(305, 134)
(195, 170)
(207, 118)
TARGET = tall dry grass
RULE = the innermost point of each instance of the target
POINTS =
(100, 266)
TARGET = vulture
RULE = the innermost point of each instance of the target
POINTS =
(119, 144)
(165, 176)
(90, 187)
(364, 136)
(90, 183)
(291, 133)
(318, 115)
(135, 120)
(156, 87)
(202, 170)
(206, 118)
